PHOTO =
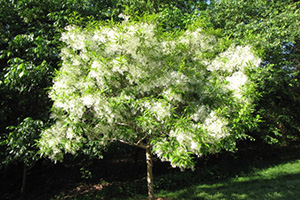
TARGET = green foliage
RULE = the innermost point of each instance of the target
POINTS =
(29, 53)
(171, 14)
(30, 44)
(178, 93)
(85, 173)
(21, 142)
(28, 56)
(273, 28)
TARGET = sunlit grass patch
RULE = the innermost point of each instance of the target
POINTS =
(277, 182)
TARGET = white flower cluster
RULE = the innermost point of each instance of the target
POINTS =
(60, 139)
(113, 77)
(160, 109)
(236, 81)
(186, 139)
(235, 59)
(171, 95)
(215, 126)
(198, 42)
(77, 38)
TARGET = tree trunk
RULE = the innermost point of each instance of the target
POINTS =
(149, 162)
(24, 181)
(5, 173)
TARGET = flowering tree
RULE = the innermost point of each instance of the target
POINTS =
(173, 95)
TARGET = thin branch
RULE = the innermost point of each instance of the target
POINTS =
(141, 140)
(122, 124)
(141, 145)
(125, 142)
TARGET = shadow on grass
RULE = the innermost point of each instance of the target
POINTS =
(280, 188)
(268, 174)
(276, 176)
(223, 176)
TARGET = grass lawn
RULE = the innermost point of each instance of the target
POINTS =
(274, 174)
(277, 182)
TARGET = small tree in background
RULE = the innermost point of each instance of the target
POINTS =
(173, 94)
(21, 146)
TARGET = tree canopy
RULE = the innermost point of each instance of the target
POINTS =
(173, 94)
(30, 45)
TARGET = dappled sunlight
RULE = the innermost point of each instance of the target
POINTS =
(278, 182)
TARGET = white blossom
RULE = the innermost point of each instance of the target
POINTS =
(99, 37)
(160, 109)
(88, 100)
(236, 81)
(235, 58)
(215, 126)
(74, 38)
(172, 96)
(129, 79)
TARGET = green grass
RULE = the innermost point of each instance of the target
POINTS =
(277, 182)
(271, 175)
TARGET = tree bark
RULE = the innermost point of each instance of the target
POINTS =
(149, 162)
(24, 181)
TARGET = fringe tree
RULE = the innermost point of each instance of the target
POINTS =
(176, 95)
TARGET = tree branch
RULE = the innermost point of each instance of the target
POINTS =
(125, 142)
(138, 144)
(141, 140)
